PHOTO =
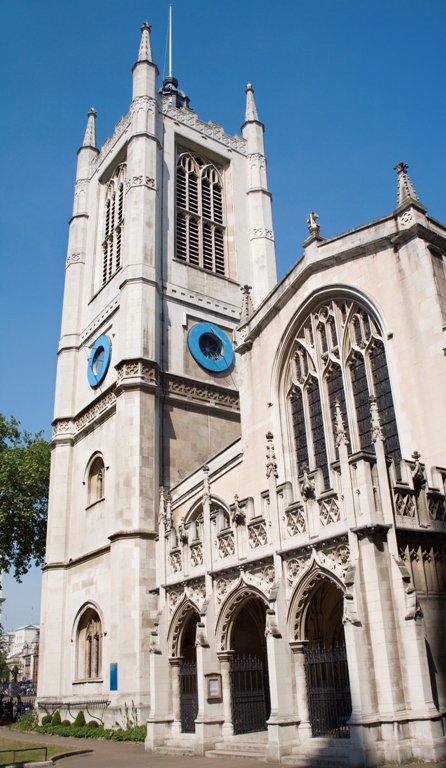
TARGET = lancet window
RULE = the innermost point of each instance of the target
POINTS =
(113, 225)
(200, 229)
(338, 363)
(89, 646)
(96, 480)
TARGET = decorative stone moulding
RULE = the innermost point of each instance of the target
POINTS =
(96, 410)
(211, 130)
(109, 143)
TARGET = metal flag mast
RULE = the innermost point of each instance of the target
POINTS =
(170, 40)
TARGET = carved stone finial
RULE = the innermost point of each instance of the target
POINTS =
(251, 110)
(206, 484)
(377, 433)
(90, 132)
(308, 486)
(183, 535)
(271, 464)
(406, 189)
(168, 501)
(238, 516)
(247, 306)
(417, 472)
(162, 517)
(340, 432)
(145, 49)
(313, 227)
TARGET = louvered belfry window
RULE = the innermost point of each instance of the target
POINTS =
(200, 230)
(114, 225)
(339, 357)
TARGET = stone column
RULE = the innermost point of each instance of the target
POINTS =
(207, 531)
(175, 664)
(303, 710)
(225, 668)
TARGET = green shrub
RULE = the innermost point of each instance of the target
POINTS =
(66, 723)
(46, 720)
(137, 733)
(56, 718)
(26, 722)
(80, 720)
(92, 724)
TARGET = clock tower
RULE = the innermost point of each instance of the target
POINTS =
(171, 218)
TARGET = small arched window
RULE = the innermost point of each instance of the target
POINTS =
(96, 480)
(200, 231)
(114, 225)
(89, 646)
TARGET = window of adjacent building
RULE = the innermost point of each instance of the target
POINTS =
(200, 228)
(89, 646)
(96, 480)
(113, 225)
(339, 357)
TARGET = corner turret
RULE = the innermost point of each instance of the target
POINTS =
(145, 72)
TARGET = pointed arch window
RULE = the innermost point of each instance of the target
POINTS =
(113, 225)
(339, 358)
(200, 227)
(96, 480)
(89, 646)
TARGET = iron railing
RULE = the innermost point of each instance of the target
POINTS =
(188, 696)
(328, 688)
(249, 692)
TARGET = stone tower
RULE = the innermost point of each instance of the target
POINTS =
(171, 217)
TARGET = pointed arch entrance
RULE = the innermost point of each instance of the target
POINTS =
(326, 670)
(188, 674)
(249, 667)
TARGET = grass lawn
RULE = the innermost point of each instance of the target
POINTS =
(6, 745)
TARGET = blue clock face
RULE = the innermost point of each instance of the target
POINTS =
(210, 347)
(99, 361)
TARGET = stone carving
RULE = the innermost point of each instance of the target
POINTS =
(109, 143)
(263, 578)
(174, 597)
(212, 130)
(140, 181)
(61, 428)
(257, 535)
(295, 521)
(377, 433)
(313, 226)
(406, 219)
(329, 511)
(340, 433)
(137, 369)
(183, 535)
(102, 405)
(175, 562)
(413, 608)
(272, 624)
(192, 391)
(296, 567)
(437, 508)
(405, 504)
(256, 160)
(247, 308)
(74, 258)
(418, 472)
(201, 638)
(226, 545)
(196, 592)
(271, 464)
(143, 100)
(196, 554)
(154, 645)
(262, 232)
(225, 585)
(238, 516)
(307, 487)
(334, 558)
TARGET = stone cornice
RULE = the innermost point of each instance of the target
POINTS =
(212, 130)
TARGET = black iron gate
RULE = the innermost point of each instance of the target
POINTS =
(188, 696)
(328, 689)
(249, 693)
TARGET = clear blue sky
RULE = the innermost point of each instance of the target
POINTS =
(346, 89)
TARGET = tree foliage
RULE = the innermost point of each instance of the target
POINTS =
(24, 479)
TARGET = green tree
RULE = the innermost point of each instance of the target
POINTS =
(24, 478)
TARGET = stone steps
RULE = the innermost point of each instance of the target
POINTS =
(248, 750)
(173, 749)
(320, 753)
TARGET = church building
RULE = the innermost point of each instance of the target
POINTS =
(247, 519)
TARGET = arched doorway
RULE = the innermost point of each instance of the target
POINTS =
(188, 675)
(326, 668)
(249, 669)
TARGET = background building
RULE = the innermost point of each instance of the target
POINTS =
(247, 508)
